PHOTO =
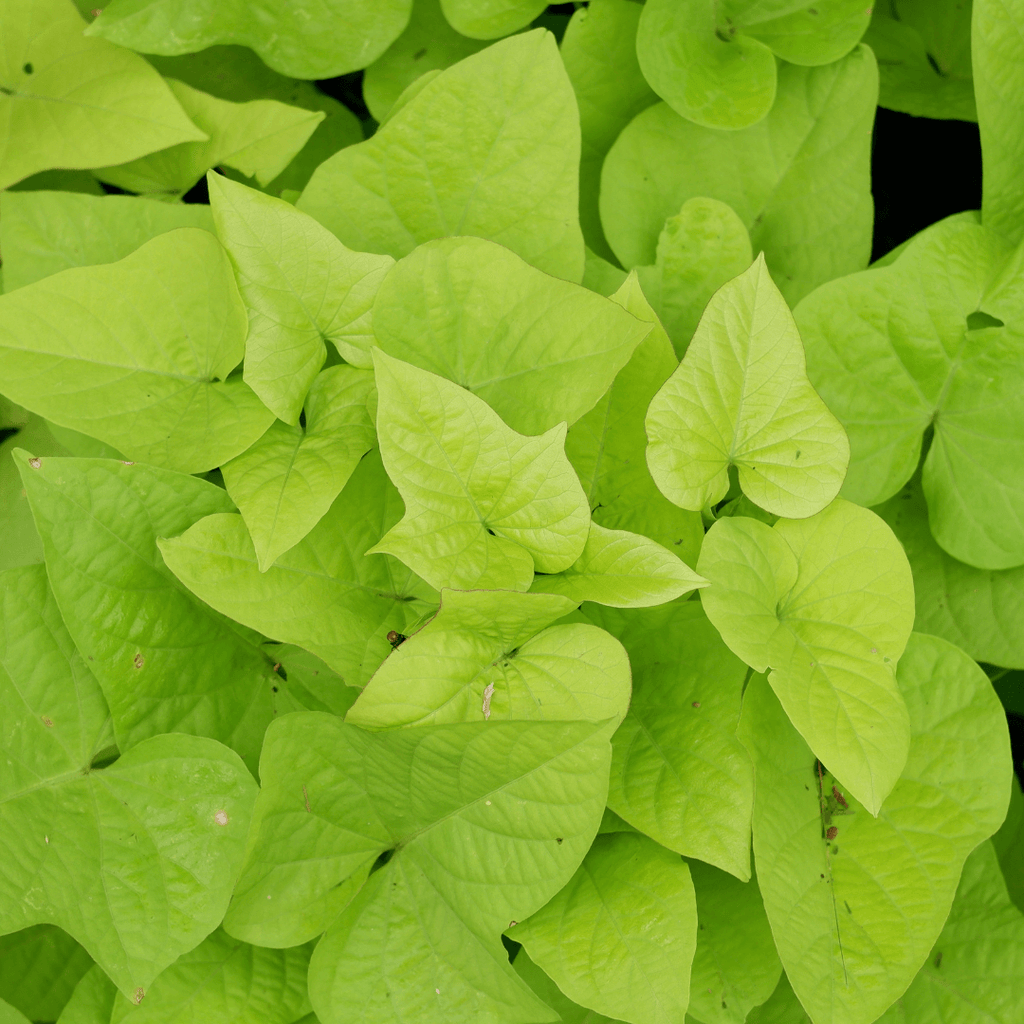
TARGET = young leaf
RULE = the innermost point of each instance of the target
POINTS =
(258, 138)
(606, 446)
(980, 611)
(67, 101)
(166, 663)
(735, 966)
(490, 19)
(920, 344)
(495, 655)
(855, 901)
(302, 287)
(678, 772)
(79, 348)
(741, 397)
(973, 973)
(484, 505)
(624, 570)
(92, 1001)
(43, 233)
(486, 822)
(325, 594)
(342, 35)
(285, 483)
(538, 350)
(568, 1011)
(826, 603)
(222, 981)
(135, 860)
(515, 182)
(799, 180)
(39, 969)
(619, 938)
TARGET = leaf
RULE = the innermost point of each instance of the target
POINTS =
(39, 969)
(568, 1011)
(538, 350)
(699, 250)
(922, 360)
(428, 43)
(9, 1015)
(741, 397)
(606, 446)
(997, 49)
(311, 683)
(924, 58)
(678, 772)
(484, 505)
(810, 35)
(620, 936)
(43, 233)
(490, 19)
(136, 860)
(514, 183)
(826, 603)
(980, 611)
(782, 1008)
(68, 101)
(473, 813)
(302, 288)
(599, 53)
(78, 349)
(258, 138)
(285, 483)
(705, 71)
(1008, 846)
(972, 974)
(165, 662)
(222, 981)
(496, 654)
(799, 180)
(735, 966)
(92, 1001)
(624, 570)
(326, 594)
(855, 911)
(342, 35)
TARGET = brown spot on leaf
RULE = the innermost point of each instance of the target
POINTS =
(696, 704)
(138, 661)
(831, 833)
(221, 817)
(48, 721)
(35, 463)
(140, 994)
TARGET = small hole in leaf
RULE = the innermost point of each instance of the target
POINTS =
(382, 860)
(979, 319)
(221, 817)
(28, 69)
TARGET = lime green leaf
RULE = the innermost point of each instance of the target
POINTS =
(924, 58)
(10, 1015)
(258, 138)
(486, 821)
(619, 938)
(223, 981)
(78, 348)
(165, 662)
(706, 72)
(537, 349)
(699, 249)
(1009, 845)
(135, 860)
(67, 101)
(484, 505)
(495, 654)
(808, 34)
(782, 1008)
(678, 772)
(302, 288)
(311, 683)
(43, 233)
(325, 594)
(624, 570)
(855, 901)
(92, 1001)
(285, 483)
(39, 969)
(921, 359)
(568, 1011)
(490, 19)
(342, 36)
(428, 43)
(606, 447)
(973, 973)
(826, 603)
(516, 184)
(997, 52)
(741, 397)
(599, 52)
(980, 611)
(799, 180)
(735, 966)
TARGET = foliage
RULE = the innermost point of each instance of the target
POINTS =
(500, 555)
